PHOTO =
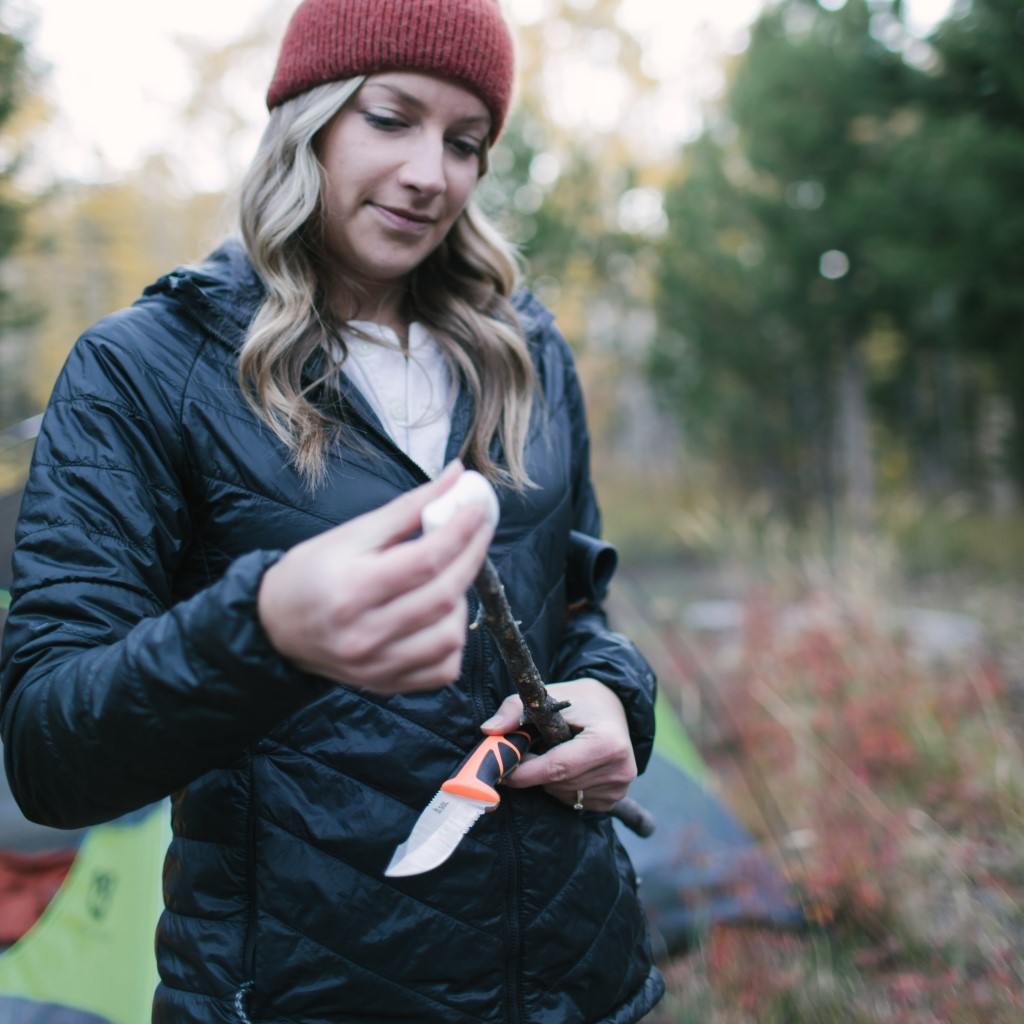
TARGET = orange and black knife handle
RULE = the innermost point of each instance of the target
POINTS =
(488, 763)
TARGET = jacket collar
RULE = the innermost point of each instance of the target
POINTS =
(224, 293)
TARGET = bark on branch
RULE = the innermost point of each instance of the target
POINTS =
(540, 708)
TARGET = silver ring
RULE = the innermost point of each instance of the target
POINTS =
(578, 806)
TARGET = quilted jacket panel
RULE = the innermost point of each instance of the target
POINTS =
(134, 666)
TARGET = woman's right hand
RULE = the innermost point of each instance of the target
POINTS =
(363, 605)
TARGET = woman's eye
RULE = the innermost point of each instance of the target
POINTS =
(466, 147)
(385, 122)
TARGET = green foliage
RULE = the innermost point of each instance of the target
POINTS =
(13, 311)
(847, 210)
(945, 538)
(12, 66)
(755, 329)
(12, 82)
(974, 167)
(982, 71)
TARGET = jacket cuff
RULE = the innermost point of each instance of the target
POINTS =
(598, 652)
(237, 634)
(637, 698)
(232, 649)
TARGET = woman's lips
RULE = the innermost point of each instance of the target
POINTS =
(403, 220)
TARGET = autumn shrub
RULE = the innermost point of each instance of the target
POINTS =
(889, 785)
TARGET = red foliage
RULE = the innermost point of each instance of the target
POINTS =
(750, 966)
(858, 740)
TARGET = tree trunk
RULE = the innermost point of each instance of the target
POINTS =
(853, 440)
(995, 438)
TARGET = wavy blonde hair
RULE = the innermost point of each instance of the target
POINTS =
(460, 293)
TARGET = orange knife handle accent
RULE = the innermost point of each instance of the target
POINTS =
(490, 761)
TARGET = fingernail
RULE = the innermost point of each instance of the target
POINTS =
(490, 723)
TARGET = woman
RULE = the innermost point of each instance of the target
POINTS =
(221, 593)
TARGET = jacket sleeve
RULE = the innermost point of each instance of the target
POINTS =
(589, 646)
(113, 693)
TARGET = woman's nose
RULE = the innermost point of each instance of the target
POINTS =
(423, 168)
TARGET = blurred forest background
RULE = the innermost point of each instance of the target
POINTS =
(800, 335)
(808, 314)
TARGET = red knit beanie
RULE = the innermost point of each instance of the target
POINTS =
(466, 40)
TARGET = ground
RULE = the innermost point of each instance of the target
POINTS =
(868, 727)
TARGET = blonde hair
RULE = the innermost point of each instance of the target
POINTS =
(460, 293)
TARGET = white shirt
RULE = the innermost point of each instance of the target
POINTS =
(411, 393)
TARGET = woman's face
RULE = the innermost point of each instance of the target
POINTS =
(401, 160)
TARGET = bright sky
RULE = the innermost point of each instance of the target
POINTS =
(118, 76)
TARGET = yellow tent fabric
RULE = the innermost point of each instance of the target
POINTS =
(92, 949)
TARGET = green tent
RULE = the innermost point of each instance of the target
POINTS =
(702, 866)
(89, 958)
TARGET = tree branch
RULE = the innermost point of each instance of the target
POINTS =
(540, 709)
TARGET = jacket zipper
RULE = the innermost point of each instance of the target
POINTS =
(476, 662)
(197, 302)
(249, 950)
(515, 1006)
(478, 639)
(513, 967)
(413, 467)
(514, 1009)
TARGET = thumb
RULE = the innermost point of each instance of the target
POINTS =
(506, 718)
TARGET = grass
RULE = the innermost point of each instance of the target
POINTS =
(887, 782)
(656, 516)
(950, 536)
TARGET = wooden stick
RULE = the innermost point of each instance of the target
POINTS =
(540, 709)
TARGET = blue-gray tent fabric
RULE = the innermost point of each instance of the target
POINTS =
(26, 1011)
(701, 867)
(10, 505)
(23, 836)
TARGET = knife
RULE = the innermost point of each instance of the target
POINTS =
(460, 801)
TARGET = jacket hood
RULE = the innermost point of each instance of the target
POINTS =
(224, 293)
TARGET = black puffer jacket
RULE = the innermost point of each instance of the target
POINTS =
(134, 666)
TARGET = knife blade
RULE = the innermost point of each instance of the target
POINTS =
(459, 803)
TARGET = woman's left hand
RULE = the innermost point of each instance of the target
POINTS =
(598, 760)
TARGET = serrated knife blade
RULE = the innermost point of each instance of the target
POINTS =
(438, 830)
(458, 804)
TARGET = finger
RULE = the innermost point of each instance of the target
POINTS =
(597, 798)
(431, 677)
(463, 550)
(422, 606)
(405, 567)
(440, 644)
(606, 776)
(400, 517)
(570, 760)
(506, 718)
(612, 773)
